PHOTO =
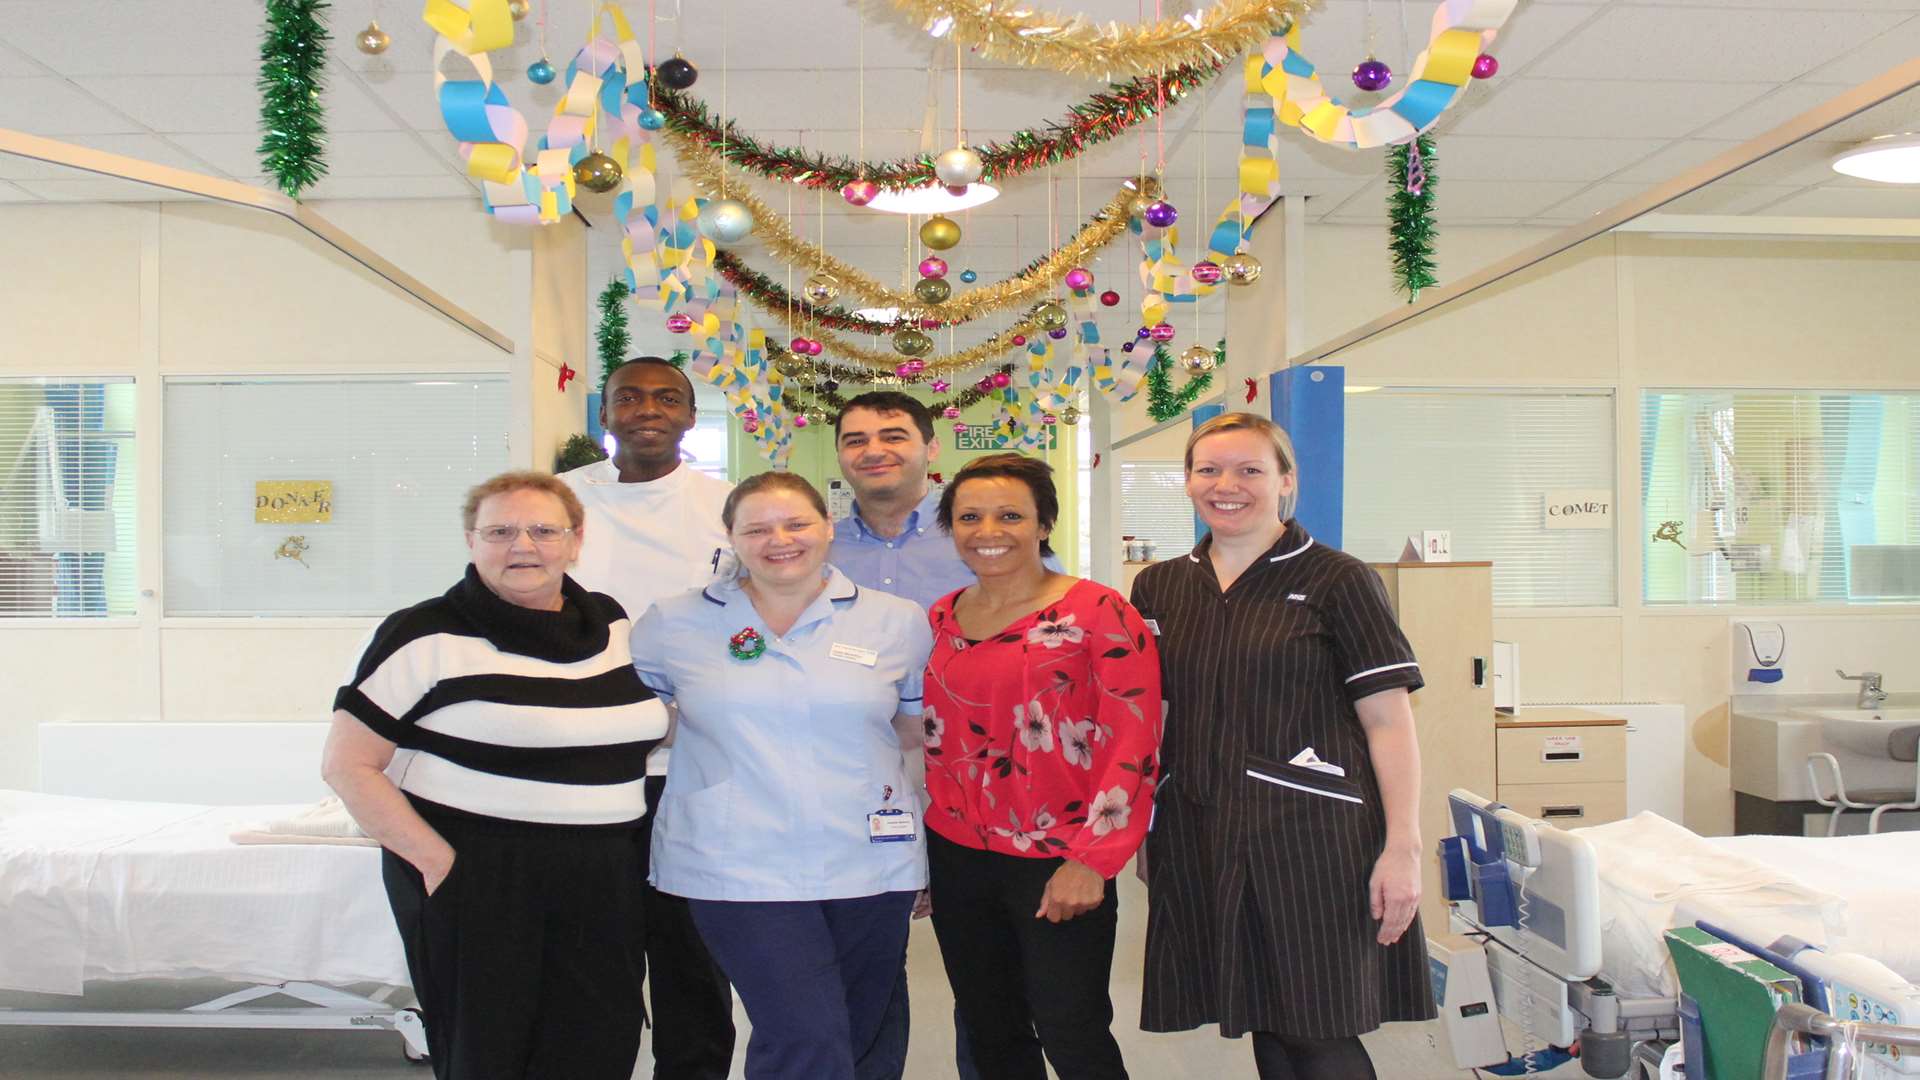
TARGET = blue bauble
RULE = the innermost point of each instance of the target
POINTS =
(969, 276)
(540, 71)
(652, 120)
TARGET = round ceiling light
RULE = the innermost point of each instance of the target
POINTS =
(1889, 159)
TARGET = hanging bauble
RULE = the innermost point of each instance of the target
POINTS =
(541, 72)
(1198, 359)
(951, 412)
(1019, 340)
(679, 323)
(1371, 74)
(373, 41)
(1127, 347)
(1079, 278)
(1071, 416)
(1137, 206)
(912, 343)
(929, 324)
(1241, 269)
(1110, 299)
(1057, 333)
(1162, 332)
(800, 420)
(985, 385)
(798, 345)
(822, 288)
(652, 119)
(969, 276)
(933, 266)
(1207, 273)
(725, 221)
(904, 371)
(750, 425)
(815, 347)
(750, 414)
(678, 74)
(916, 368)
(960, 427)
(939, 233)
(939, 386)
(1050, 315)
(1001, 380)
(519, 9)
(932, 290)
(957, 190)
(1485, 66)
(597, 172)
(1160, 214)
(830, 385)
(860, 192)
(1049, 419)
(1143, 333)
(958, 167)
(1147, 185)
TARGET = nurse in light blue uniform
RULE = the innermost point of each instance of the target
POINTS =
(789, 822)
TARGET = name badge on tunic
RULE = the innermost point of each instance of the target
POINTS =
(854, 654)
(890, 826)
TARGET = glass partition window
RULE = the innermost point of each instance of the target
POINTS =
(67, 496)
(322, 496)
(1774, 496)
(1154, 506)
(1521, 478)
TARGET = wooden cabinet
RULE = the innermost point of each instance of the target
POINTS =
(1446, 611)
(1562, 765)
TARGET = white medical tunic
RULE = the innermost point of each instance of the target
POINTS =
(780, 761)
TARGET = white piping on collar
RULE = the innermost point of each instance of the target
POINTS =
(1295, 551)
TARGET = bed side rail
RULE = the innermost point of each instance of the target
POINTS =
(1845, 1040)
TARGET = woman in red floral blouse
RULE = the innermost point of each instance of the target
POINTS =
(1043, 721)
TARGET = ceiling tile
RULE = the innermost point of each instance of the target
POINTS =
(1882, 200)
(1698, 44)
(349, 154)
(56, 108)
(1897, 114)
(183, 103)
(1591, 201)
(1502, 157)
(1756, 118)
(100, 189)
(1675, 158)
(1606, 109)
(393, 187)
(143, 147)
(1891, 49)
(139, 37)
(1725, 198)
(1469, 200)
(13, 65)
(11, 194)
(1535, 28)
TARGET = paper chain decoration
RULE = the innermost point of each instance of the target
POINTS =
(1462, 30)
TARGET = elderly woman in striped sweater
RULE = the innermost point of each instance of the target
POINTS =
(494, 740)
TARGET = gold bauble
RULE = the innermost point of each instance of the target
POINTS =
(597, 172)
(1071, 416)
(518, 9)
(912, 343)
(939, 233)
(1197, 359)
(373, 41)
(1051, 316)
(1146, 185)
(932, 290)
(1137, 206)
(1241, 269)
(822, 288)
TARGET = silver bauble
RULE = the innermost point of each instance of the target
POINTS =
(725, 221)
(958, 167)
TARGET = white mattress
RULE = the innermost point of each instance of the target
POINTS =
(1844, 894)
(96, 889)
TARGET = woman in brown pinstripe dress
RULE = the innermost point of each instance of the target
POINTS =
(1283, 867)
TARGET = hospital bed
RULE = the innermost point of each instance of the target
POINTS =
(95, 889)
(1561, 933)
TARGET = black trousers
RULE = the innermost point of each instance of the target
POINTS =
(526, 958)
(1025, 986)
(693, 1032)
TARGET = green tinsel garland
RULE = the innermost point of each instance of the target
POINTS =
(612, 336)
(1163, 401)
(292, 55)
(1410, 217)
(832, 402)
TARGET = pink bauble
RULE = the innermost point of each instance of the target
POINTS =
(800, 420)
(1019, 339)
(951, 412)
(1049, 419)
(1001, 380)
(985, 384)
(939, 386)
(933, 266)
(929, 324)
(814, 348)
(1485, 66)
(750, 414)
(916, 367)
(799, 346)
(1079, 278)
(957, 190)
(1162, 332)
(860, 192)
(1207, 273)
(960, 428)
(905, 371)
(750, 426)
(1110, 298)
(679, 323)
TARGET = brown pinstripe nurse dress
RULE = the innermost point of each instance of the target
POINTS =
(1257, 900)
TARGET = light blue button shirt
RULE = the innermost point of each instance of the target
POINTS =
(779, 760)
(919, 564)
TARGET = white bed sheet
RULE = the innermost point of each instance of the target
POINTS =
(97, 889)
(1878, 877)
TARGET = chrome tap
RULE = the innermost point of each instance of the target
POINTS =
(1872, 696)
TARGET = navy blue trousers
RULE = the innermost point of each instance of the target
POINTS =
(815, 976)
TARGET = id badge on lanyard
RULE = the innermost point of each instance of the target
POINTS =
(890, 824)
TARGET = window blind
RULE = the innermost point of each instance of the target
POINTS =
(1154, 506)
(67, 498)
(319, 496)
(1482, 464)
(1773, 496)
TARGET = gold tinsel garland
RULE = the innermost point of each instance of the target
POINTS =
(1069, 43)
(704, 167)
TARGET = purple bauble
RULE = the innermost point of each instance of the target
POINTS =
(1162, 332)
(1371, 74)
(1057, 334)
(1160, 213)
(1143, 332)
(1001, 380)
(933, 266)
(1128, 347)
(1485, 66)
(1079, 278)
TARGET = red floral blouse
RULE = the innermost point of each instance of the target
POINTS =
(1044, 740)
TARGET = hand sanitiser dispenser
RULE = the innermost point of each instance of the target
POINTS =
(1765, 644)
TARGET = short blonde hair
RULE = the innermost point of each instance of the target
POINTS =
(523, 480)
(1277, 435)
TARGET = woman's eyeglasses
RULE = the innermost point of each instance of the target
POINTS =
(506, 534)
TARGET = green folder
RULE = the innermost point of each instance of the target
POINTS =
(1737, 993)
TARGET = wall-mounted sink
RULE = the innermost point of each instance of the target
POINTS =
(1883, 733)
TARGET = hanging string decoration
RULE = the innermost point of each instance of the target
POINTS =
(611, 337)
(293, 51)
(1070, 43)
(1094, 121)
(1410, 227)
(1461, 32)
(1163, 401)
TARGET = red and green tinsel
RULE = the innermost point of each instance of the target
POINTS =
(1163, 401)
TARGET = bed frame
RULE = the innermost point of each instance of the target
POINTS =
(191, 763)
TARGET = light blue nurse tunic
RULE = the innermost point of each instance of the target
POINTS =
(778, 761)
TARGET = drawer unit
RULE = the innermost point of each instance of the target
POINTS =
(1526, 754)
(1568, 806)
